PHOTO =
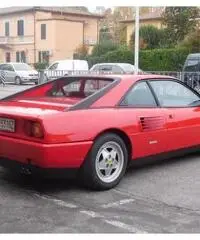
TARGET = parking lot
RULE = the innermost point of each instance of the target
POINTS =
(158, 198)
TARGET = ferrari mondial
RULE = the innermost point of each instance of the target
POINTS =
(94, 126)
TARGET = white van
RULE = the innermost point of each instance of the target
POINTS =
(66, 67)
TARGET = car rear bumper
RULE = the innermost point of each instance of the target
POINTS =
(43, 156)
(28, 169)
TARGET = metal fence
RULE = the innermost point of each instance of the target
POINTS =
(192, 79)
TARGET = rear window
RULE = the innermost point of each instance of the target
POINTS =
(78, 88)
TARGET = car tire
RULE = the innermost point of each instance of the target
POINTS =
(18, 81)
(105, 164)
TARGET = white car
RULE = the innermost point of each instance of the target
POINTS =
(19, 73)
(66, 67)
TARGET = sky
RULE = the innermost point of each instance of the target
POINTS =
(91, 4)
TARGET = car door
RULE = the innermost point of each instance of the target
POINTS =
(150, 138)
(182, 106)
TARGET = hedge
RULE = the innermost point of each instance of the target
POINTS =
(149, 60)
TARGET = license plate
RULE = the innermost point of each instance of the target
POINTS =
(7, 124)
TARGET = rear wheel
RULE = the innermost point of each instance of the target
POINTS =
(18, 81)
(106, 163)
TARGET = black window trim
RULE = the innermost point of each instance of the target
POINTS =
(148, 81)
(119, 104)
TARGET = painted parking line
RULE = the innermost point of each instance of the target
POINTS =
(124, 226)
(118, 203)
(56, 201)
(93, 214)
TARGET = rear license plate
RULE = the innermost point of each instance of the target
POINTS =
(7, 124)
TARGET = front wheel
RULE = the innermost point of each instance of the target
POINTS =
(18, 81)
(106, 163)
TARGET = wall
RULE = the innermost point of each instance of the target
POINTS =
(66, 42)
(17, 43)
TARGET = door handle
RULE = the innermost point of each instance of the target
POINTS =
(171, 116)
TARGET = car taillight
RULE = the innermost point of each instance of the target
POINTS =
(34, 129)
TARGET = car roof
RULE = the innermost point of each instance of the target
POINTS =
(13, 63)
(127, 77)
(194, 55)
(112, 64)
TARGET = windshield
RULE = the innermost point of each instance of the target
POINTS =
(192, 65)
(22, 67)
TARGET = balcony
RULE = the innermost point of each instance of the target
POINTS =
(17, 40)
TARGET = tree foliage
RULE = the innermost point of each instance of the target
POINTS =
(103, 48)
(180, 21)
(150, 37)
(192, 41)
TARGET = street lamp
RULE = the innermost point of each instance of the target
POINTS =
(137, 27)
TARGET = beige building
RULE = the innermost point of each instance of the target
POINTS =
(37, 34)
(152, 18)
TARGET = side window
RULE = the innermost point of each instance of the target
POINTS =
(139, 96)
(8, 67)
(173, 94)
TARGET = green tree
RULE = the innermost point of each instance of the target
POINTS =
(179, 22)
(192, 41)
(150, 37)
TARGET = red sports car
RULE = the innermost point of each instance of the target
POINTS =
(94, 126)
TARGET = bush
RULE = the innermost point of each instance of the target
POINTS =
(150, 60)
(103, 48)
(40, 65)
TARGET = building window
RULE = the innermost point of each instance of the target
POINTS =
(7, 29)
(43, 56)
(20, 27)
(20, 56)
(7, 56)
(43, 31)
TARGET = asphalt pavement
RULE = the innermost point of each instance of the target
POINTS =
(160, 198)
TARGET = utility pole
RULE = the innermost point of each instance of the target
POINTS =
(137, 27)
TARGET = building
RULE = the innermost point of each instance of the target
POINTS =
(154, 18)
(37, 34)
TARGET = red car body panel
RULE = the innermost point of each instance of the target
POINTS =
(69, 135)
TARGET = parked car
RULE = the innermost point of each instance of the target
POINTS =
(94, 126)
(116, 68)
(65, 67)
(191, 71)
(19, 73)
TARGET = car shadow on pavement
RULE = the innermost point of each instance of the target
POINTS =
(54, 186)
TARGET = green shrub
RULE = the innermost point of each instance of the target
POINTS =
(41, 65)
(149, 60)
(103, 48)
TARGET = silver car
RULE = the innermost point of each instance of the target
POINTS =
(19, 73)
(114, 68)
